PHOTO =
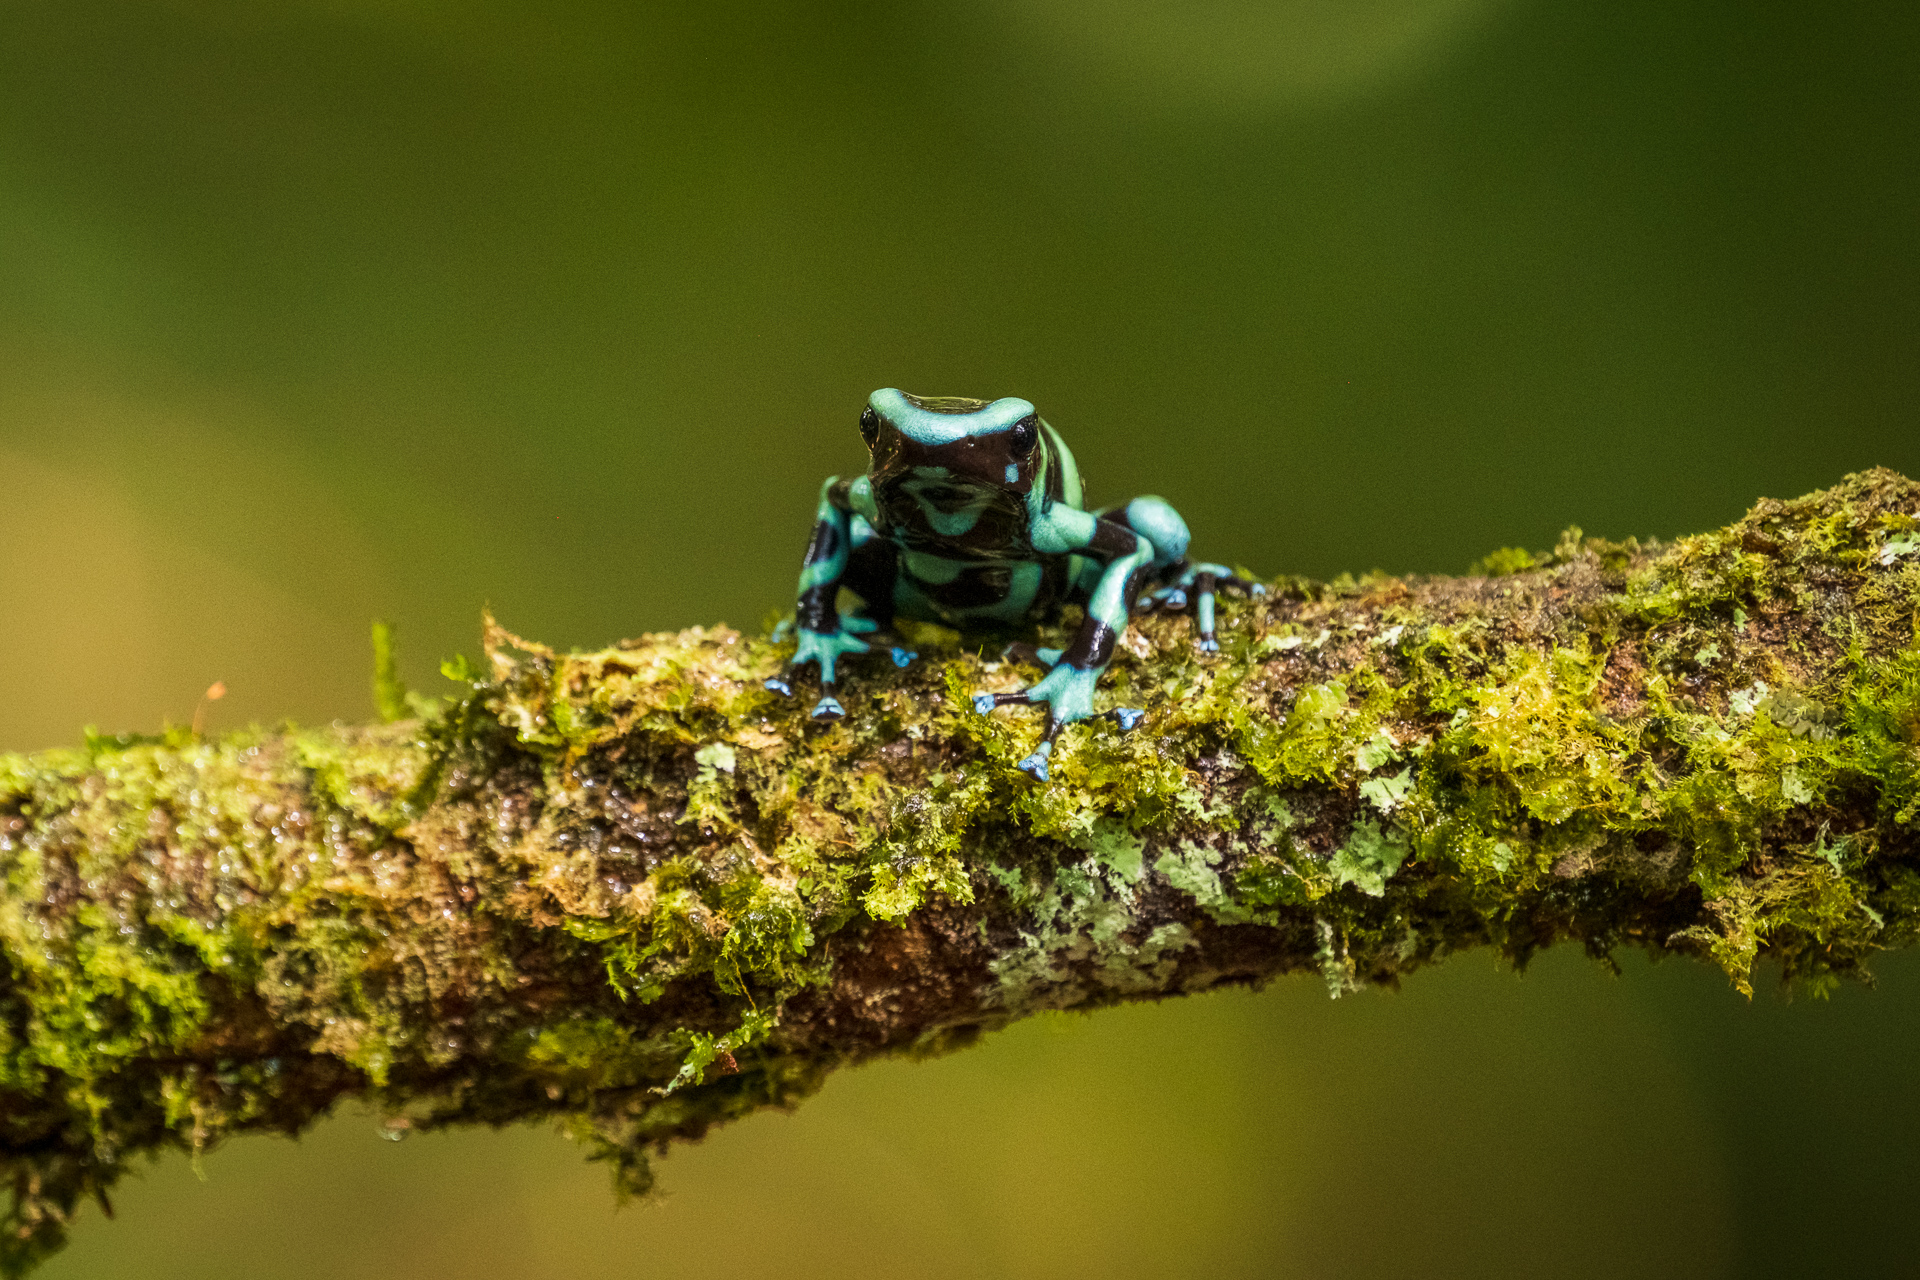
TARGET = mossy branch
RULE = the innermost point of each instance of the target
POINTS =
(634, 891)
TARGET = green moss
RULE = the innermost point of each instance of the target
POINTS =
(1881, 711)
(628, 869)
(917, 843)
(1494, 761)
(767, 937)
(374, 778)
(1505, 560)
(706, 1048)
(1533, 731)
(1319, 741)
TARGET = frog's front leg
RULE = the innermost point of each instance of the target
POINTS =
(825, 634)
(1068, 688)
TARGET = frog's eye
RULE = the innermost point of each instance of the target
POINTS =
(1023, 436)
(869, 427)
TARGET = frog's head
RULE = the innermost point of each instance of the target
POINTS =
(960, 468)
(981, 444)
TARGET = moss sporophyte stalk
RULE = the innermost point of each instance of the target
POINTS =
(637, 892)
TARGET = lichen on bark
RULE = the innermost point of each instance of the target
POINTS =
(634, 892)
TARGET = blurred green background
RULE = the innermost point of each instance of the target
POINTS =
(338, 309)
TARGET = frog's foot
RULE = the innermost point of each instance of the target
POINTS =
(1068, 693)
(826, 710)
(903, 657)
(1205, 580)
(1036, 763)
(824, 649)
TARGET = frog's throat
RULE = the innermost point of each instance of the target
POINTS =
(928, 427)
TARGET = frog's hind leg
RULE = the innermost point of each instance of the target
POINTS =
(1181, 583)
(1203, 581)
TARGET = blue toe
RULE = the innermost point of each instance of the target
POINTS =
(1258, 589)
(1176, 599)
(983, 702)
(1128, 717)
(1036, 764)
(1210, 645)
(828, 708)
(901, 657)
(780, 687)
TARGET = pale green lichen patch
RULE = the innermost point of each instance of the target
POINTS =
(1080, 940)
(1369, 857)
(635, 890)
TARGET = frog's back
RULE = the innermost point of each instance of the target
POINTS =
(1065, 473)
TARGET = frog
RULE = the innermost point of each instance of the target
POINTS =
(971, 514)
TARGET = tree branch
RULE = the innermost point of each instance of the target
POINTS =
(633, 891)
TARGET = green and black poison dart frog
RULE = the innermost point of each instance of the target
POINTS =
(969, 515)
